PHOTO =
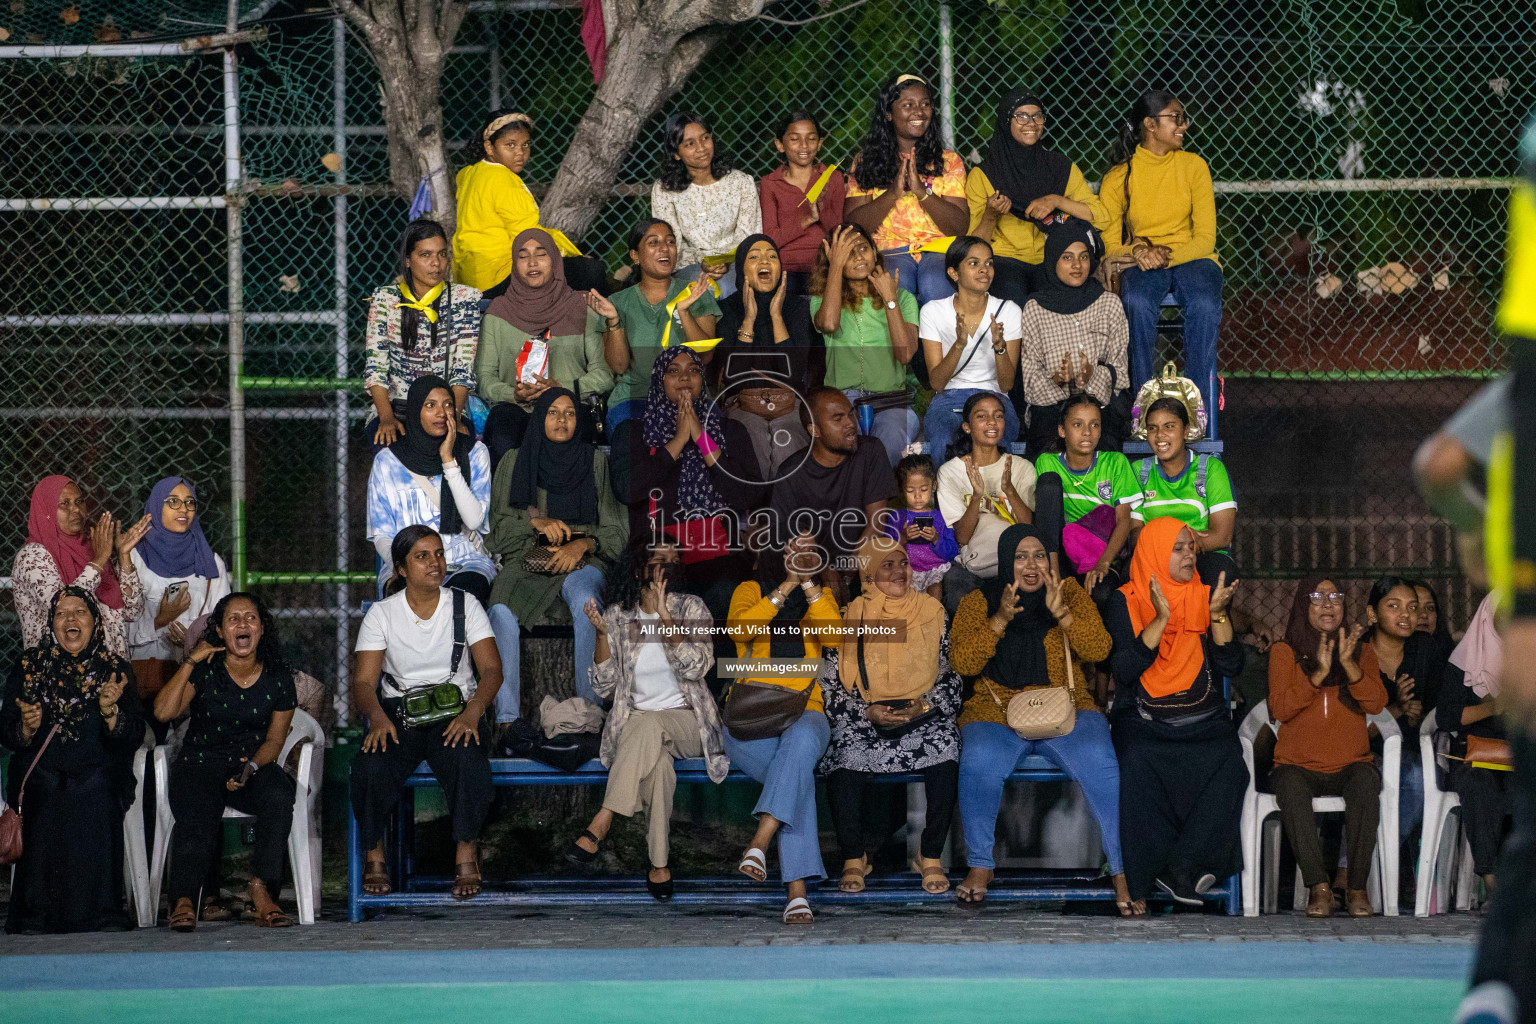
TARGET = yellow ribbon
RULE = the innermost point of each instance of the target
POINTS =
(814, 192)
(564, 244)
(703, 345)
(424, 304)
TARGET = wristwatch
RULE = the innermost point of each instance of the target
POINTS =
(890, 304)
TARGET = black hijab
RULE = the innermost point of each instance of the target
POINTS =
(785, 637)
(417, 450)
(562, 468)
(69, 685)
(1022, 173)
(1019, 660)
(788, 356)
(1058, 297)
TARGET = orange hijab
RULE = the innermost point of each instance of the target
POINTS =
(1181, 652)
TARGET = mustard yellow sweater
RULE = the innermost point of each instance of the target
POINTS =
(972, 644)
(1172, 204)
(748, 620)
(1015, 237)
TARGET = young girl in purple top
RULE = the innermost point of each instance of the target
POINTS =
(930, 543)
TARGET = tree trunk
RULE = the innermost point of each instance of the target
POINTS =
(409, 41)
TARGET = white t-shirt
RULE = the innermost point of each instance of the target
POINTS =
(978, 363)
(980, 555)
(144, 640)
(655, 686)
(416, 652)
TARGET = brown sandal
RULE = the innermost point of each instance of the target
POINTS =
(934, 879)
(466, 883)
(273, 916)
(376, 878)
(183, 916)
(854, 875)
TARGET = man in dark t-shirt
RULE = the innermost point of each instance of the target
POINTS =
(837, 493)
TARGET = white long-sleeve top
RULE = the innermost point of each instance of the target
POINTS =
(397, 499)
(709, 219)
(144, 640)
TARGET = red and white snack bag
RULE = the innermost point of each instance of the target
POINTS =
(533, 360)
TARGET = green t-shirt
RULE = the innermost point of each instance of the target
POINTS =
(644, 324)
(1107, 482)
(1185, 497)
(859, 354)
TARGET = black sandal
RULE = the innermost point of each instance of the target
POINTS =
(575, 854)
(660, 891)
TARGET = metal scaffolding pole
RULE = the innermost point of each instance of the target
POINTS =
(232, 175)
(946, 79)
(343, 540)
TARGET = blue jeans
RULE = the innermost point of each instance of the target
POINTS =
(1196, 287)
(1410, 793)
(941, 423)
(690, 273)
(989, 752)
(925, 279)
(896, 428)
(629, 409)
(786, 766)
(580, 586)
(509, 699)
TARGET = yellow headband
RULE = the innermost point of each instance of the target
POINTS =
(501, 122)
(910, 78)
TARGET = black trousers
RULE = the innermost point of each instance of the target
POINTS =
(1485, 804)
(464, 772)
(845, 793)
(198, 799)
(1507, 951)
(473, 583)
(1360, 786)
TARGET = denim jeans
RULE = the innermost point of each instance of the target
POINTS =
(580, 586)
(1196, 287)
(1410, 792)
(786, 766)
(925, 279)
(690, 273)
(896, 428)
(989, 752)
(941, 423)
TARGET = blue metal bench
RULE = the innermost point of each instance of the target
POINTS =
(412, 890)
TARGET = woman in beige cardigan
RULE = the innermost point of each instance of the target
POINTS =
(662, 708)
(1012, 635)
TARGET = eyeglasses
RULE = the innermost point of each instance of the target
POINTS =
(176, 504)
(1181, 119)
(1326, 597)
(1029, 118)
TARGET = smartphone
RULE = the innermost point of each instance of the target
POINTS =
(173, 591)
(922, 523)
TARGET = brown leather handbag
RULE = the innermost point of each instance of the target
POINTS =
(1484, 750)
(760, 711)
(10, 818)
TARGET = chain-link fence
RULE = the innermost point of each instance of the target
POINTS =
(1360, 150)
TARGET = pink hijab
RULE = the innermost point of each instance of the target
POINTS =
(1481, 653)
(70, 554)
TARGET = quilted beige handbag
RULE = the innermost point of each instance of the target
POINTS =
(1046, 712)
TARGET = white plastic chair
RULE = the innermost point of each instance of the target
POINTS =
(303, 837)
(146, 902)
(1261, 837)
(1444, 853)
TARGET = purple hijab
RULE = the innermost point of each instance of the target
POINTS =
(172, 554)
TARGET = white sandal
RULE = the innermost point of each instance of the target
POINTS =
(798, 906)
(754, 865)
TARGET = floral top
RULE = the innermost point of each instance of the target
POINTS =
(388, 365)
(908, 224)
(689, 660)
(35, 579)
(709, 219)
(858, 747)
